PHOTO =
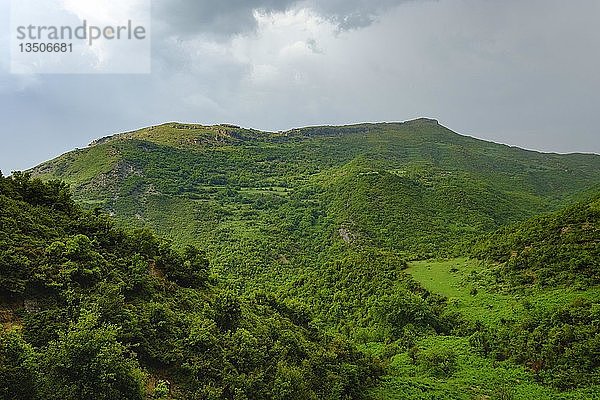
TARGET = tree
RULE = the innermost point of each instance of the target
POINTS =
(87, 362)
(227, 311)
(17, 374)
(187, 270)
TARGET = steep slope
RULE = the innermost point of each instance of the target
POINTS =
(88, 311)
(562, 248)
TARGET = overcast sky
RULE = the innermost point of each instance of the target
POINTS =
(520, 72)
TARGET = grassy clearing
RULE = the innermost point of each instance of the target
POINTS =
(450, 278)
(454, 280)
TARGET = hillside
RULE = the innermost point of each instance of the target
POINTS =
(90, 311)
(558, 249)
(84, 301)
(550, 332)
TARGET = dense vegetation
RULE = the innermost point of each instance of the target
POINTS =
(552, 333)
(561, 345)
(91, 311)
(562, 248)
(559, 250)
(313, 288)
(249, 197)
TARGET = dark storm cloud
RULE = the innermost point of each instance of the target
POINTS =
(225, 18)
(353, 14)
(220, 18)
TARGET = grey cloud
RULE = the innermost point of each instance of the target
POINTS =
(314, 46)
(225, 18)
(215, 18)
(353, 14)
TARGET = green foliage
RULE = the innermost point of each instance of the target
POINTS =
(439, 362)
(560, 345)
(227, 312)
(17, 367)
(307, 233)
(88, 362)
(161, 391)
(551, 250)
(100, 312)
(188, 270)
(552, 333)
(250, 197)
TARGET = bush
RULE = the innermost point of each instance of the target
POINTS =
(440, 362)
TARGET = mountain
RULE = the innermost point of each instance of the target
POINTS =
(355, 231)
(415, 188)
(280, 211)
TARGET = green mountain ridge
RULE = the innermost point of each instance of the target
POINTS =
(229, 178)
